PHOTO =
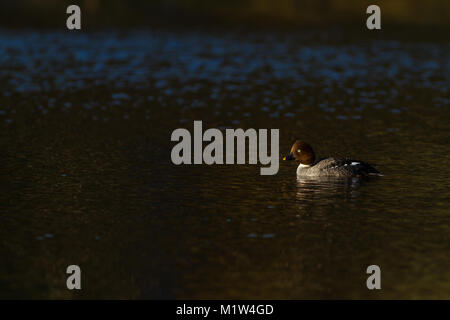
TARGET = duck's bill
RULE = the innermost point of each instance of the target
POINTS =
(290, 156)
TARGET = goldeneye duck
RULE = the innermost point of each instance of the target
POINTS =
(337, 167)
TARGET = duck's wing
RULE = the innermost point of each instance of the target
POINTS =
(356, 166)
(362, 167)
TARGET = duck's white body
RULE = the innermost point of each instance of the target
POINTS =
(336, 167)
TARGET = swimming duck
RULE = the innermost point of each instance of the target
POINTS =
(336, 167)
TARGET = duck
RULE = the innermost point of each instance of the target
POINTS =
(327, 167)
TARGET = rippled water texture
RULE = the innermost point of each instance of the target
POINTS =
(86, 120)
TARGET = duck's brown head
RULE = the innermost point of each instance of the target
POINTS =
(302, 152)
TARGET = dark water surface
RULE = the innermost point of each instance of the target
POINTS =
(85, 125)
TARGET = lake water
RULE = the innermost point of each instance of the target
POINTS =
(86, 120)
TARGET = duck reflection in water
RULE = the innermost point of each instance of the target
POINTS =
(327, 188)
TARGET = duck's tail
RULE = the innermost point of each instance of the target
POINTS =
(371, 171)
